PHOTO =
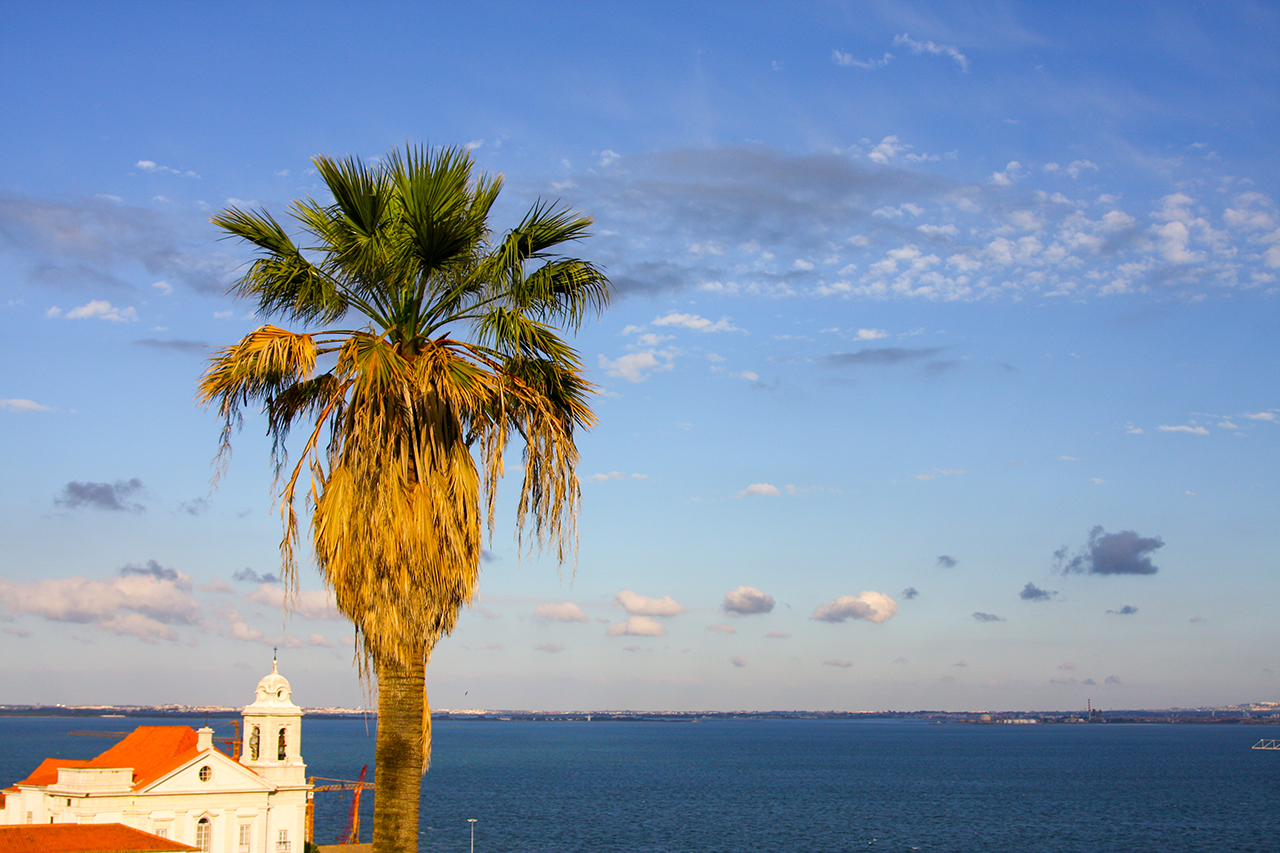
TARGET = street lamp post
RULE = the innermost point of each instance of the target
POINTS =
(472, 821)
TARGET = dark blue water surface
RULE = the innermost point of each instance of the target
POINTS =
(788, 785)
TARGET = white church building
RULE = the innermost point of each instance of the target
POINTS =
(173, 782)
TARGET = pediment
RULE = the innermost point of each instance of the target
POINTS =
(223, 776)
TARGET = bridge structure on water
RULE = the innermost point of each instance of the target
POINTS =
(1267, 744)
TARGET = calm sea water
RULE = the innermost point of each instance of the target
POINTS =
(793, 785)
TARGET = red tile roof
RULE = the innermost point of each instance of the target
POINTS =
(83, 838)
(47, 772)
(152, 751)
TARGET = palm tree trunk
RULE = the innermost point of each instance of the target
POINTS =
(399, 767)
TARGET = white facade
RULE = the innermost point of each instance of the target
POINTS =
(177, 785)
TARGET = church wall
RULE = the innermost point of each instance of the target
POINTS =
(233, 794)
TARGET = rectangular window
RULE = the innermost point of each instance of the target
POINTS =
(162, 832)
(282, 841)
(246, 835)
(29, 816)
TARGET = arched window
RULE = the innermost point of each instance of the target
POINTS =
(253, 744)
(204, 834)
(280, 751)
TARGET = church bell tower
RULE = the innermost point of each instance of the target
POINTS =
(273, 733)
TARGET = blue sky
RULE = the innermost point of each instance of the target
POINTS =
(941, 372)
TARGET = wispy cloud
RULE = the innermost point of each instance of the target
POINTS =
(1193, 430)
(870, 63)
(155, 168)
(696, 323)
(98, 309)
(20, 405)
(175, 345)
(91, 244)
(919, 47)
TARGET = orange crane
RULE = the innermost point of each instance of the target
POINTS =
(351, 835)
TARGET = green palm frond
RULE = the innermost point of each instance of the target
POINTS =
(282, 281)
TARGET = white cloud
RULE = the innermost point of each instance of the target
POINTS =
(918, 47)
(746, 600)
(698, 324)
(1194, 430)
(636, 366)
(738, 661)
(723, 629)
(136, 625)
(99, 308)
(608, 156)
(155, 168)
(1174, 240)
(1079, 166)
(872, 334)
(143, 601)
(777, 635)
(1260, 416)
(19, 405)
(564, 611)
(240, 629)
(307, 603)
(641, 605)
(1012, 173)
(847, 59)
(637, 626)
(551, 648)
(889, 148)
(758, 489)
(869, 605)
(163, 286)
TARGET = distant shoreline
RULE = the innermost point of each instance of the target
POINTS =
(1214, 716)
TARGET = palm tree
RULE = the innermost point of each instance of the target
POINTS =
(456, 344)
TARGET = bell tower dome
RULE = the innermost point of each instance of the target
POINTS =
(273, 732)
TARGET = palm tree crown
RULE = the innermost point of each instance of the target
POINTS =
(457, 343)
